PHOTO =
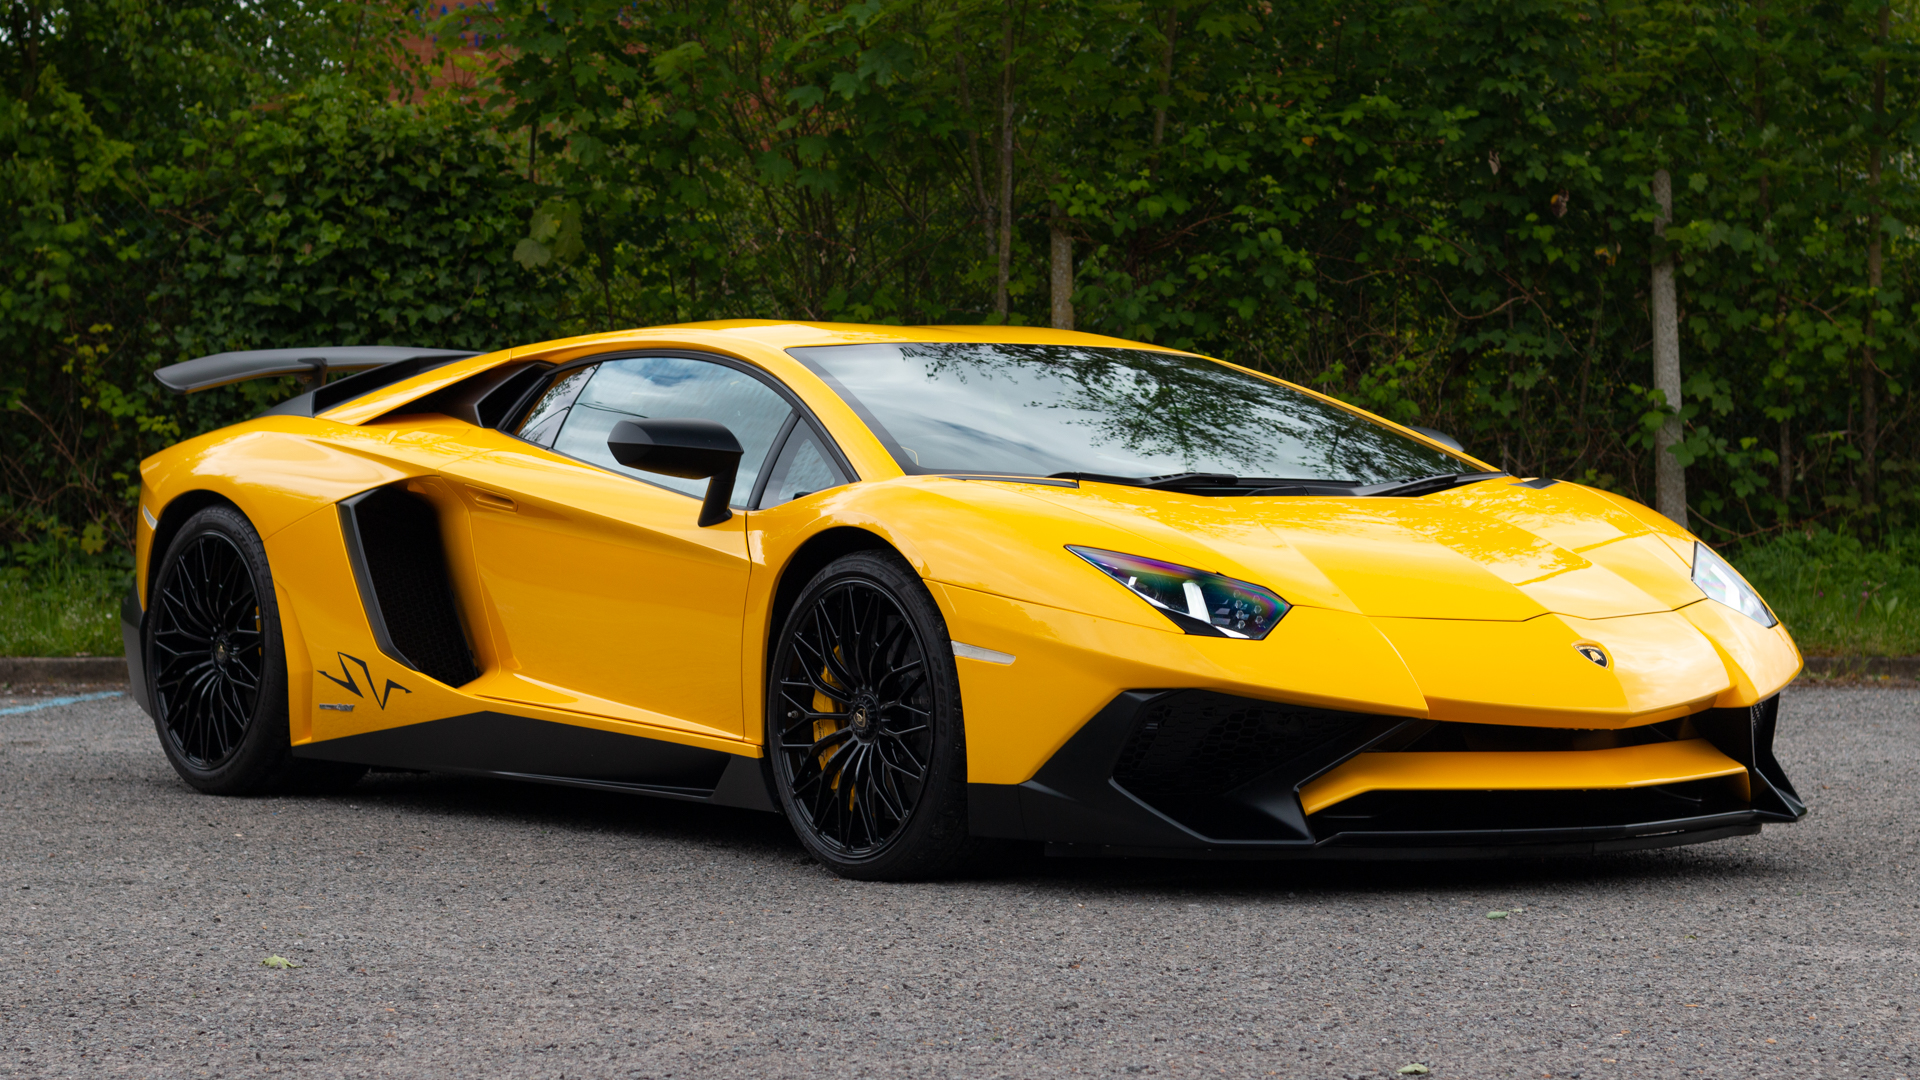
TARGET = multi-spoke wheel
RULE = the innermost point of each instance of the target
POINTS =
(863, 723)
(208, 650)
(218, 676)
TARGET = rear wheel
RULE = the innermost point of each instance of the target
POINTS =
(864, 727)
(217, 668)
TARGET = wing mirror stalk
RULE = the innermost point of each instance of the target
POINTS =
(688, 449)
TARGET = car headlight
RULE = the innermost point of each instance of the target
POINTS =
(1195, 601)
(1721, 582)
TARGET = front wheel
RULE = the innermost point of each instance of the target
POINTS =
(864, 727)
(217, 668)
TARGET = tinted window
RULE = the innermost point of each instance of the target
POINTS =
(803, 467)
(1039, 409)
(543, 423)
(676, 387)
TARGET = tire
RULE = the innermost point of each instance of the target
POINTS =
(216, 666)
(864, 730)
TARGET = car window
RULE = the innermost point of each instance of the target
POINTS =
(543, 423)
(662, 387)
(1043, 409)
(802, 468)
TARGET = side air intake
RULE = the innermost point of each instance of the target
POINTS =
(400, 564)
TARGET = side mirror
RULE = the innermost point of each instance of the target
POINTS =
(689, 449)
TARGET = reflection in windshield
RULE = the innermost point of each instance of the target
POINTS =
(1040, 409)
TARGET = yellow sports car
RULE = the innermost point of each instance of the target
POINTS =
(924, 588)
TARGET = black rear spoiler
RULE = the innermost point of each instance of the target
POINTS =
(378, 366)
(207, 372)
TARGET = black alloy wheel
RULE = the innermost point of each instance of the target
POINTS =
(208, 650)
(216, 667)
(864, 726)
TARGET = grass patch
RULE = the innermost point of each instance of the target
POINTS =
(1838, 597)
(60, 612)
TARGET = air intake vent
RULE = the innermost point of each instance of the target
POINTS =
(1199, 743)
(394, 541)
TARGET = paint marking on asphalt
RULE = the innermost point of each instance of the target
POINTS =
(53, 702)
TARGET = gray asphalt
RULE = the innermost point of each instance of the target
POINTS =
(460, 928)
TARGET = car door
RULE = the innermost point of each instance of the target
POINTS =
(609, 597)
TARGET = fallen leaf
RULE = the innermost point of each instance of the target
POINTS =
(1415, 1069)
(279, 963)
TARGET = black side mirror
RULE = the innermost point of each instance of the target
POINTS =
(689, 449)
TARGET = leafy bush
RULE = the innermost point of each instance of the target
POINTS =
(324, 211)
(1839, 597)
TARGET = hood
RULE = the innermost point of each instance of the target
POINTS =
(1502, 550)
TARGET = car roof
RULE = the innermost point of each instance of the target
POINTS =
(781, 334)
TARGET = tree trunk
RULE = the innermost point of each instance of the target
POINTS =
(1669, 478)
(1003, 262)
(1060, 281)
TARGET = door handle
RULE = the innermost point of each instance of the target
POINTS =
(491, 500)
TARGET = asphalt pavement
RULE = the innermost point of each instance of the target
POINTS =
(441, 927)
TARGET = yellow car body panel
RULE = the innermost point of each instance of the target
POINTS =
(1069, 665)
(592, 599)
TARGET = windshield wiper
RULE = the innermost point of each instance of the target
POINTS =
(1184, 481)
(1427, 485)
(1169, 480)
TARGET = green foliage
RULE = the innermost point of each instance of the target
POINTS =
(1839, 597)
(1440, 211)
(151, 220)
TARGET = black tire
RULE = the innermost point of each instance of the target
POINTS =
(863, 676)
(216, 666)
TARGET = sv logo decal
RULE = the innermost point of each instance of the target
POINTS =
(350, 686)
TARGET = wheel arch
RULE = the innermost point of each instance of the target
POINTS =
(172, 518)
(807, 560)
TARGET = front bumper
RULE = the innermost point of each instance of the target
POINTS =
(1197, 774)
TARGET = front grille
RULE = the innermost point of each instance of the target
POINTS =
(1453, 736)
(1194, 755)
(1199, 743)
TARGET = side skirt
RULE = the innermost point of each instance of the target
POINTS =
(521, 748)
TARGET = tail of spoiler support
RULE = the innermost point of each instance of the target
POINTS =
(375, 365)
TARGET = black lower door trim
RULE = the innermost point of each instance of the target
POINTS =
(514, 747)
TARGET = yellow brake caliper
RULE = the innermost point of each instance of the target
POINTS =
(827, 725)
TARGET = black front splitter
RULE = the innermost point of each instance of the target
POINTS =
(1442, 846)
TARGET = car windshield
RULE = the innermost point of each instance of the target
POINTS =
(1038, 410)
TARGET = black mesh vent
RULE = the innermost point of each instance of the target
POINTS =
(400, 540)
(1199, 743)
(1453, 737)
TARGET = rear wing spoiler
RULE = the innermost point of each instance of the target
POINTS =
(377, 365)
(313, 365)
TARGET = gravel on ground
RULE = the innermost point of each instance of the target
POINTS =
(444, 927)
